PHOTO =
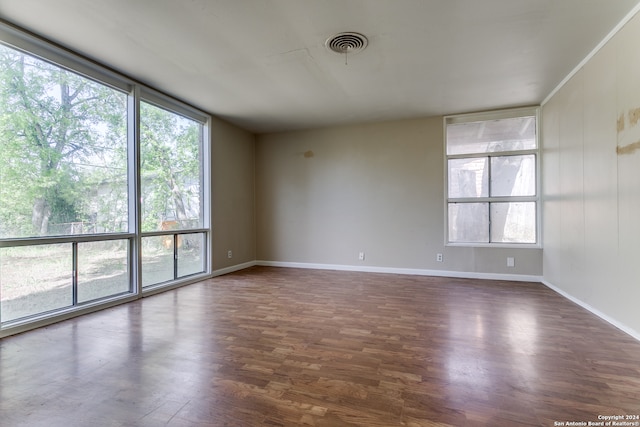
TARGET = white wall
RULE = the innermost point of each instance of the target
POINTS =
(591, 183)
(322, 196)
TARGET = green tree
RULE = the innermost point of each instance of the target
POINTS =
(53, 123)
(170, 168)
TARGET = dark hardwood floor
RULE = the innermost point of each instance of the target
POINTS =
(274, 347)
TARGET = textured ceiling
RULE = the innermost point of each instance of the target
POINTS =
(262, 64)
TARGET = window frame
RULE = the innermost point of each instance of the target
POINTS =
(488, 116)
(16, 38)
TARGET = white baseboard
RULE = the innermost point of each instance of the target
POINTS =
(624, 328)
(233, 268)
(411, 271)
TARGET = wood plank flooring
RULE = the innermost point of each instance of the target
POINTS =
(288, 347)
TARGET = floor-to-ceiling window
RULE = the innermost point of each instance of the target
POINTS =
(171, 171)
(103, 185)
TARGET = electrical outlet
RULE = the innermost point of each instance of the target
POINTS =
(439, 258)
(511, 261)
(361, 256)
(229, 254)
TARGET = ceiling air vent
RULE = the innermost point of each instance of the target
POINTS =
(346, 43)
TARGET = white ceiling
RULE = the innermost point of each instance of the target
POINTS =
(262, 64)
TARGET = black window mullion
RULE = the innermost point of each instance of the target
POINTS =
(175, 256)
(74, 275)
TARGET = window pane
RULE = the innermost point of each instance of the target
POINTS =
(63, 151)
(469, 222)
(513, 222)
(490, 136)
(513, 176)
(468, 178)
(191, 254)
(102, 269)
(35, 279)
(171, 171)
(157, 259)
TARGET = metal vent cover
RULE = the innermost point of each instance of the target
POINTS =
(347, 43)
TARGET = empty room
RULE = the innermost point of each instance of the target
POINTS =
(319, 213)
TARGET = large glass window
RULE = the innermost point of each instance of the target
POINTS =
(172, 256)
(102, 269)
(35, 279)
(170, 170)
(172, 203)
(63, 162)
(492, 177)
(101, 193)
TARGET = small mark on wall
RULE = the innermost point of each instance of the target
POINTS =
(628, 132)
(628, 149)
(307, 154)
(620, 123)
(634, 116)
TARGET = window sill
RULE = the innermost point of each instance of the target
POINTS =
(496, 245)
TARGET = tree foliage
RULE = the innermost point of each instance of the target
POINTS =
(63, 154)
(170, 169)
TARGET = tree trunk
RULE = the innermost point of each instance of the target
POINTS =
(181, 213)
(40, 216)
(176, 193)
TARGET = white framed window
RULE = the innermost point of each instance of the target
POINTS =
(491, 182)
